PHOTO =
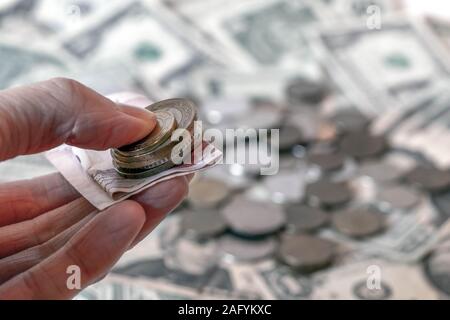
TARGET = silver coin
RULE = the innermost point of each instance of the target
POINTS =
(260, 117)
(289, 137)
(328, 194)
(358, 222)
(251, 218)
(203, 223)
(233, 175)
(431, 179)
(398, 197)
(306, 253)
(350, 120)
(304, 90)
(247, 250)
(207, 193)
(304, 218)
(362, 145)
(380, 171)
(327, 161)
(286, 186)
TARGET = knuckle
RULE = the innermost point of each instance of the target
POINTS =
(67, 90)
(66, 84)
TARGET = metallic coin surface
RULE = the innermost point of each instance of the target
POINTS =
(165, 125)
(306, 253)
(358, 222)
(252, 219)
(203, 223)
(398, 197)
(302, 218)
(289, 137)
(142, 174)
(303, 90)
(380, 171)
(146, 160)
(207, 193)
(350, 120)
(247, 250)
(431, 179)
(285, 187)
(327, 193)
(362, 145)
(327, 161)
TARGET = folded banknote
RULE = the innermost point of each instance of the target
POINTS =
(92, 173)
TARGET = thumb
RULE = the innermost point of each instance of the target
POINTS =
(44, 115)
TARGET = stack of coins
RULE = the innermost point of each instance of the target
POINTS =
(153, 154)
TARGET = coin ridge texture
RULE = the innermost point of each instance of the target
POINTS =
(252, 218)
(153, 154)
(358, 223)
(306, 253)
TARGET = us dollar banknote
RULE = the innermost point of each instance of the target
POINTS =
(143, 37)
(264, 33)
(380, 69)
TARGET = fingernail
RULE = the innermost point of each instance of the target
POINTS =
(145, 123)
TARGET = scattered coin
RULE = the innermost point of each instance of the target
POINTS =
(207, 193)
(380, 171)
(328, 194)
(289, 137)
(286, 186)
(358, 222)
(252, 219)
(431, 179)
(306, 253)
(304, 218)
(327, 161)
(203, 223)
(247, 250)
(362, 145)
(303, 90)
(350, 120)
(398, 197)
(261, 116)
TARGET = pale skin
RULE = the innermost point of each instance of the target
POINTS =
(45, 225)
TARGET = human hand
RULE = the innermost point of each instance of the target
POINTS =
(45, 225)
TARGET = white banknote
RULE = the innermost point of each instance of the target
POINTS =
(92, 173)
(380, 69)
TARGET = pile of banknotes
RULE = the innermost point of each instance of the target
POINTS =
(359, 208)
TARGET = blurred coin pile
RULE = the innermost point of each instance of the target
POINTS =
(361, 103)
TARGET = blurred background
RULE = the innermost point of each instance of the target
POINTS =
(358, 89)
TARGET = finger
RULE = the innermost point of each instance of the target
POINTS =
(158, 201)
(47, 114)
(23, 200)
(20, 236)
(190, 176)
(21, 261)
(94, 249)
(130, 98)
